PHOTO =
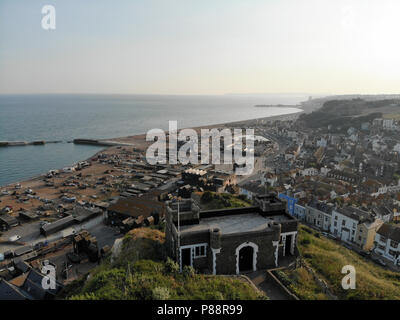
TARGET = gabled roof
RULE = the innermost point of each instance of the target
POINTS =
(389, 231)
(135, 207)
(355, 214)
(33, 286)
(10, 292)
(321, 206)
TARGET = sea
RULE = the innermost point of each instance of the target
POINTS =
(66, 117)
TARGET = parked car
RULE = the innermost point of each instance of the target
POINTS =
(43, 223)
(14, 238)
(38, 246)
(381, 262)
(365, 254)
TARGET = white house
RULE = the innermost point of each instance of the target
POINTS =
(324, 171)
(345, 221)
(388, 124)
(387, 241)
(310, 172)
(322, 143)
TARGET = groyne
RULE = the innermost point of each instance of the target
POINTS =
(107, 143)
(25, 143)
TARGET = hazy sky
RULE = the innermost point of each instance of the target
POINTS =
(201, 46)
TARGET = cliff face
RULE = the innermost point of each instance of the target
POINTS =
(346, 113)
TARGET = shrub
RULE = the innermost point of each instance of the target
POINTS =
(160, 293)
(171, 267)
(305, 242)
(207, 196)
(188, 272)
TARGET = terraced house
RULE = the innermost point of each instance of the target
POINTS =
(355, 226)
(319, 214)
(387, 241)
(230, 241)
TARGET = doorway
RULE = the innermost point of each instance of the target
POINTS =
(246, 259)
(288, 244)
(186, 257)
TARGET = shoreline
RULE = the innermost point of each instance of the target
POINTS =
(140, 140)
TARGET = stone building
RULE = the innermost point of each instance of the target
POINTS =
(230, 241)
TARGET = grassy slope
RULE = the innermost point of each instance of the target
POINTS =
(302, 284)
(327, 258)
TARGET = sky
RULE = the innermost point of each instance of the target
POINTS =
(201, 47)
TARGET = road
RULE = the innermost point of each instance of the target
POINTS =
(30, 234)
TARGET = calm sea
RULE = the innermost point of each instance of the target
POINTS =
(67, 117)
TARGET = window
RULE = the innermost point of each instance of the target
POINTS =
(383, 239)
(352, 232)
(359, 238)
(335, 224)
(354, 225)
(392, 253)
(394, 244)
(335, 217)
(343, 222)
(200, 251)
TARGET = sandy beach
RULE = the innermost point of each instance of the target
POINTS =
(98, 181)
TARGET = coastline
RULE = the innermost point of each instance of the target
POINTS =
(139, 141)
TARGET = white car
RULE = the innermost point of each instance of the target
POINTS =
(14, 238)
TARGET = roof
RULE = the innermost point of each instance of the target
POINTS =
(33, 285)
(381, 210)
(28, 214)
(58, 224)
(355, 213)
(81, 213)
(8, 219)
(389, 231)
(135, 207)
(10, 292)
(253, 187)
(231, 224)
(321, 206)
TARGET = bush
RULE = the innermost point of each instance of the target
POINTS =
(207, 196)
(305, 242)
(160, 293)
(307, 230)
(283, 278)
(188, 272)
(171, 267)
